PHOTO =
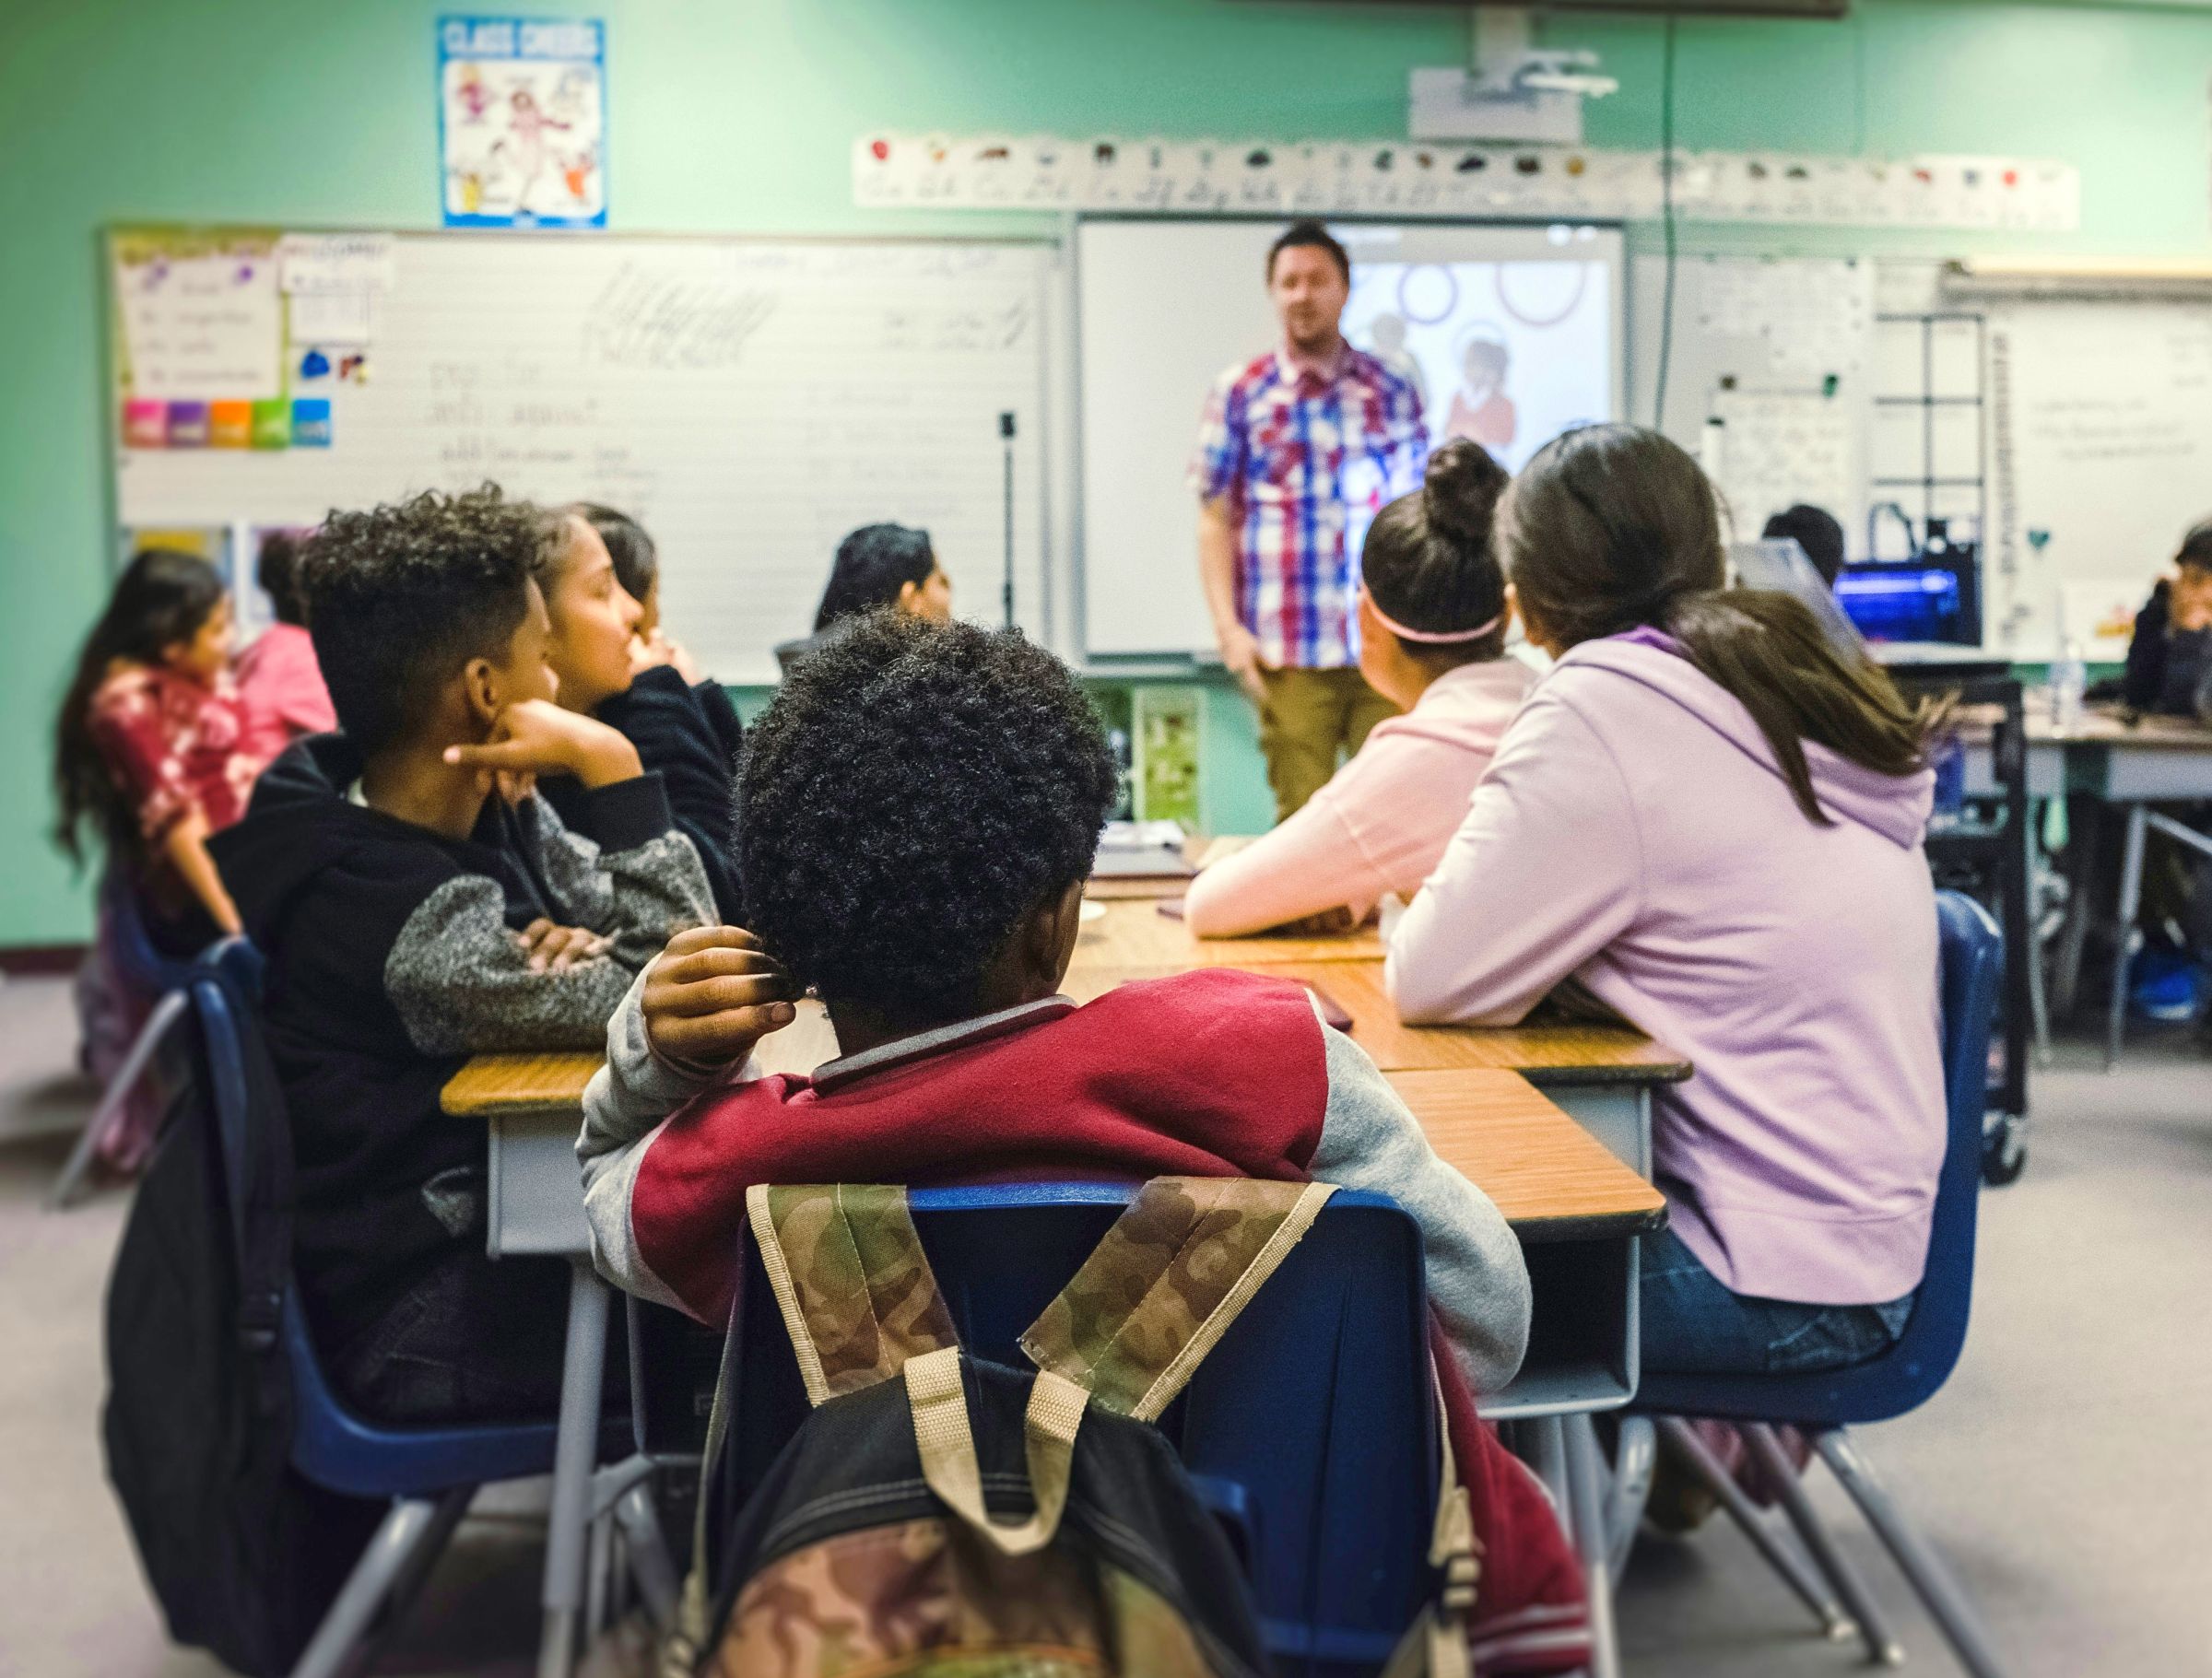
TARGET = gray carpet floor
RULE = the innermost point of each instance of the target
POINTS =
(2065, 1472)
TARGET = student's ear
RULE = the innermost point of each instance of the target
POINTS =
(1050, 936)
(483, 692)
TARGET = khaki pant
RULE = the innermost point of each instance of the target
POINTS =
(1306, 719)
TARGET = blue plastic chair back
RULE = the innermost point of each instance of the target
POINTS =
(1310, 1430)
(138, 963)
(331, 1446)
(1910, 1372)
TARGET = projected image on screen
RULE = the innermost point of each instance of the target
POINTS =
(1509, 354)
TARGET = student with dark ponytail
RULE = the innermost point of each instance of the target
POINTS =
(1432, 612)
(1713, 820)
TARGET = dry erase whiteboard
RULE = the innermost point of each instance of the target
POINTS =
(750, 401)
(1164, 305)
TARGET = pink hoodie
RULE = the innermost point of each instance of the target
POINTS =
(1633, 830)
(280, 690)
(1382, 821)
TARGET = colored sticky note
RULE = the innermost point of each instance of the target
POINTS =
(273, 424)
(145, 423)
(311, 422)
(188, 425)
(229, 425)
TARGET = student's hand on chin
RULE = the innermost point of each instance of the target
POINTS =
(713, 994)
(536, 737)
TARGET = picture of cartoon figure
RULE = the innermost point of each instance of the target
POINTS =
(527, 125)
(1481, 410)
(576, 174)
(471, 94)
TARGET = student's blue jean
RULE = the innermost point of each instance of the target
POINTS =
(1693, 1325)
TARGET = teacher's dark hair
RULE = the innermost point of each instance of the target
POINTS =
(1319, 237)
(1612, 528)
(1428, 562)
(872, 565)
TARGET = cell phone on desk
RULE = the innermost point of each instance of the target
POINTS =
(1171, 908)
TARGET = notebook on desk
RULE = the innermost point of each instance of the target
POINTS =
(1141, 850)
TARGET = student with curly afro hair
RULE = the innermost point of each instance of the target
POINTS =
(918, 810)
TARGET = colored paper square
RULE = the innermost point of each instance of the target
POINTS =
(273, 424)
(229, 425)
(188, 425)
(145, 423)
(311, 422)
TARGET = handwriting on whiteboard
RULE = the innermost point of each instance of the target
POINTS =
(642, 318)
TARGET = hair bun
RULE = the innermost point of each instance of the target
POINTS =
(1460, 491)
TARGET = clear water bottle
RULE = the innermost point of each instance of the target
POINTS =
(2069, 678)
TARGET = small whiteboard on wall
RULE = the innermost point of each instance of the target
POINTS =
(1164, 305)
(2102, 444)
(750, 401)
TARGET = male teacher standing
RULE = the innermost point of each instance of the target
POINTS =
(1297, 450)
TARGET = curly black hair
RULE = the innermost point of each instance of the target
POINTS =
(400, 597)
(913, 791)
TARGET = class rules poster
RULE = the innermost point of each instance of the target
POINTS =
(522, 121)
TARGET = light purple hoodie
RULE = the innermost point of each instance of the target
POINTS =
(1635, 831)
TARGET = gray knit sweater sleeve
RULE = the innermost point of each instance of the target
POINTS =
(1478, 1279)
(461, 979)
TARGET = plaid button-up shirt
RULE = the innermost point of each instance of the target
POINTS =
(1305, 459)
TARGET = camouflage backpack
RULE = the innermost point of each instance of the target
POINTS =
(939, 1514)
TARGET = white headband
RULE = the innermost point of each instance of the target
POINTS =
(1430, 638)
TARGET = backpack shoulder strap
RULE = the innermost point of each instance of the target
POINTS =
(855, 1289)
(1161, 1289)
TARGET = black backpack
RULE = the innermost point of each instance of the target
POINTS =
(243, 1556)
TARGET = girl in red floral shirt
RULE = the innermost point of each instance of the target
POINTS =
(149, 749)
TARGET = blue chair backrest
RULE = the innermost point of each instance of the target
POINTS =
(1311, 1429)
(130, 942)
(1972, 968)
(331, 1446)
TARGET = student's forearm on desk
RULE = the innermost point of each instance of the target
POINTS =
(1309, 865)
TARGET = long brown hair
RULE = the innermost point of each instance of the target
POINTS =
(163, 597)
(1612, 528)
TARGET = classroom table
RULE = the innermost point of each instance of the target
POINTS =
(2127, 760)
(1576, 1207)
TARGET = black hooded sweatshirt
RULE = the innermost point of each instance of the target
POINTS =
(689, 736)
(392, 957)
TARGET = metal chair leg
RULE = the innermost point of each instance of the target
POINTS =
(1946, 1602)
(408, 1585)
(1882, 1647)
(1586, 1504)
(650, 1564)
(1811, 1591)
(390, 1555)
(2123, 931)
(1634, 1457)
(166, 1013)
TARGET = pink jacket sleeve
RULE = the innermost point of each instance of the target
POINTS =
(1310, 863)
(1544, 873)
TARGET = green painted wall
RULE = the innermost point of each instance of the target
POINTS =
(737, 115)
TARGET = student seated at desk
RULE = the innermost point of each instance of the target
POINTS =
(1713, 821)
(150, 748)
(1817, 535)
(2169, 659)
(877, 565)
(605, 669)
(1432, 613)
(411, 918)
(638, 568)
(919, 808)
(279, 684)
